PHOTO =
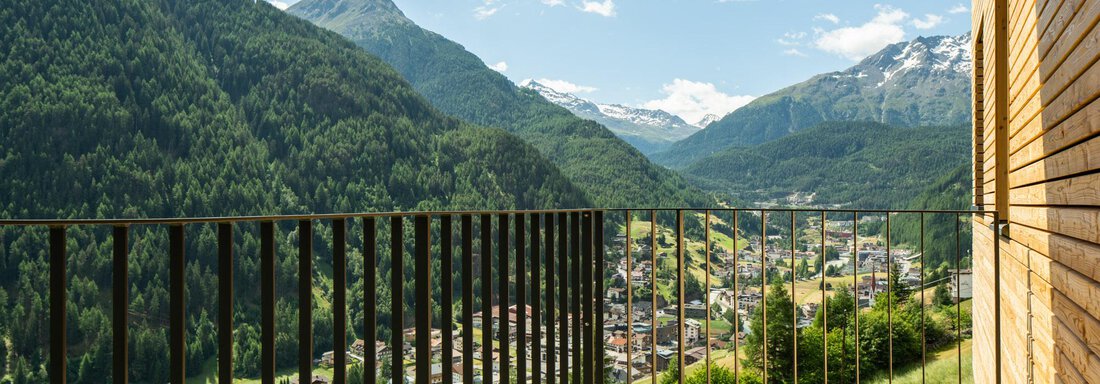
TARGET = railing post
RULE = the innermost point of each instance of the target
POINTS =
(267, 302)
(339, 301)
(423, 293)
(629, 301)
(575, 272)
(536, 303)
(177, 311)
(305, 299)
(58, 300)
(446, 324)
(764, 284)
(120, 289)
(502, 296)
(370, 299)
(563, 297)
(597, 319)
(467, 299)
(397, 299)
(586, 298)
(680, 293)
(486, 298)
(653, 296)
(548, 224)
(225, 303)
(521, 299)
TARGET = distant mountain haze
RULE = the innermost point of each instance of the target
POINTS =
(646, 129)
(610, 171)
(921, 82)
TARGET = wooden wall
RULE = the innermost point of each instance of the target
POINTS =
(1037, 163)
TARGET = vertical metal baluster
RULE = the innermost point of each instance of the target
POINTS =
(370, 299)
(706, 289)
(855, 283)
(339, 300)
(423, 295)
(305, 299)
(58, 302)
(923, 266)
(446, 282)
(653, 293)
(629, 302)
(467, 299)
(551, 349)
(121, 304)
(225, 303)
(680, 292)
(177, 324)
(486, 298)
(575, 270)
(397, 299)
(503, 296)
(536, 303)
(794, 301)
(736, 301)
(563, 296)
(267, 302)
(958, 293)
(889, 300)
(521, 298)
(586, 298)
(764, 284)
(824, 300)
(597, 318)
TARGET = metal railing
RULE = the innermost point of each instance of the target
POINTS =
(559, 258)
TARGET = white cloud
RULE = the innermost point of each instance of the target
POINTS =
(553, 3)
(794, 52)
(856, 43)
(792, 38)
(279, 4)
(958, 9)
(487, 9)
(828, 17)
(500, 67)
(605, 8)
(693, 100)
(930, 21)
(564, 86)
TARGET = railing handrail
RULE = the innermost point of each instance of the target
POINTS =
(328, 216)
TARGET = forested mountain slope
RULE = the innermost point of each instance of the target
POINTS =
(861, 164)
(211, 107)
(609, 170)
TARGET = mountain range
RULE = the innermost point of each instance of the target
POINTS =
(925, 81)
(610, 171)
(649, 130)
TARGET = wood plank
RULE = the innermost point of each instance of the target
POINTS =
(1080, 223)
(1081, 190)
(1084, 361)
(1078, 128)
(1042, 341)
(1063, 41)
(1066, 372)
(1075, 254)
(1081, 290)
(1047, 26)
(1074, 317)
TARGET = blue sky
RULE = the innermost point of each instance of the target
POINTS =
(689, 57)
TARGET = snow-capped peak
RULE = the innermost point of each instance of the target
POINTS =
(937, 54)
(707, 120)
(621, 119)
